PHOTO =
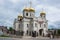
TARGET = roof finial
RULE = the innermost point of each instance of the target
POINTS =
(42, 9)
(30, 3)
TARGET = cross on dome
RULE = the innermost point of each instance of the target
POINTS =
(30, 4)
(30, 9)
(42, 12)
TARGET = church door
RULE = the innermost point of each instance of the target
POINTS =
(40, 31)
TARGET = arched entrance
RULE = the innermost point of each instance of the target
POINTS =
(27, 32)
(40, 31)
(34, 33)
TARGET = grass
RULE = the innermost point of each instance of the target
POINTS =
(3, 36)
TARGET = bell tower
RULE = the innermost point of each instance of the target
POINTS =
(28, 15)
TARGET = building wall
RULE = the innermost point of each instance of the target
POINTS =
(21, 26)
(17, 26)
(26, 25)
(33, 24)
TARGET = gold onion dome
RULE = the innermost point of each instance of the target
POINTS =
(32, 9)
(29, 9)
(20, 16)
(26, 9)
(42, 13)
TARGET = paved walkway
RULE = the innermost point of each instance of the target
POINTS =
(36, 37)
(28, 38)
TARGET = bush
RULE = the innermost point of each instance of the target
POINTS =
(59, 31)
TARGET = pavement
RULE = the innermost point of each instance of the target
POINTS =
(29, 38)
(36, 37)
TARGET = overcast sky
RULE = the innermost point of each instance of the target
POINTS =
(9, 10)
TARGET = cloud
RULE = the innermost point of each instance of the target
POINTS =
(9, 10)
(14, 1)
(1, 2)
(51, 12)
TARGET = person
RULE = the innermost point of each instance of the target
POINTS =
(51, 36)
(34, 34)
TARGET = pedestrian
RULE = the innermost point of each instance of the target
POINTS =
(51, 36)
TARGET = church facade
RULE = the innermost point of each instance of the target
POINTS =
(29, 23)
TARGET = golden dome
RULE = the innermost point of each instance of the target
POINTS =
(32, 9)
(29, 9)
(42, 13)
(26, 9)
(20, 16)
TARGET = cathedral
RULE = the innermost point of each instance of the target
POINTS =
(28, 24)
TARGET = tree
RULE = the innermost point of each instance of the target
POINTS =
(59, 31)
(10, 29)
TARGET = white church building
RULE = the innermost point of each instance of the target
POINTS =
(29, 23)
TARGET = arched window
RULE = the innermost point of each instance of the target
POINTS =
(26, 14)
(19, 25)
(30, 14)
(27, 25)
(44, 25)
(35, 24)
(40, 24)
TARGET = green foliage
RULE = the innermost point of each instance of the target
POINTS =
(58, 31)
(3, 36)
(10, 28)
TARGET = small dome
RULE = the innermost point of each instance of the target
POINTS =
(20, 16)
(42, 13)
